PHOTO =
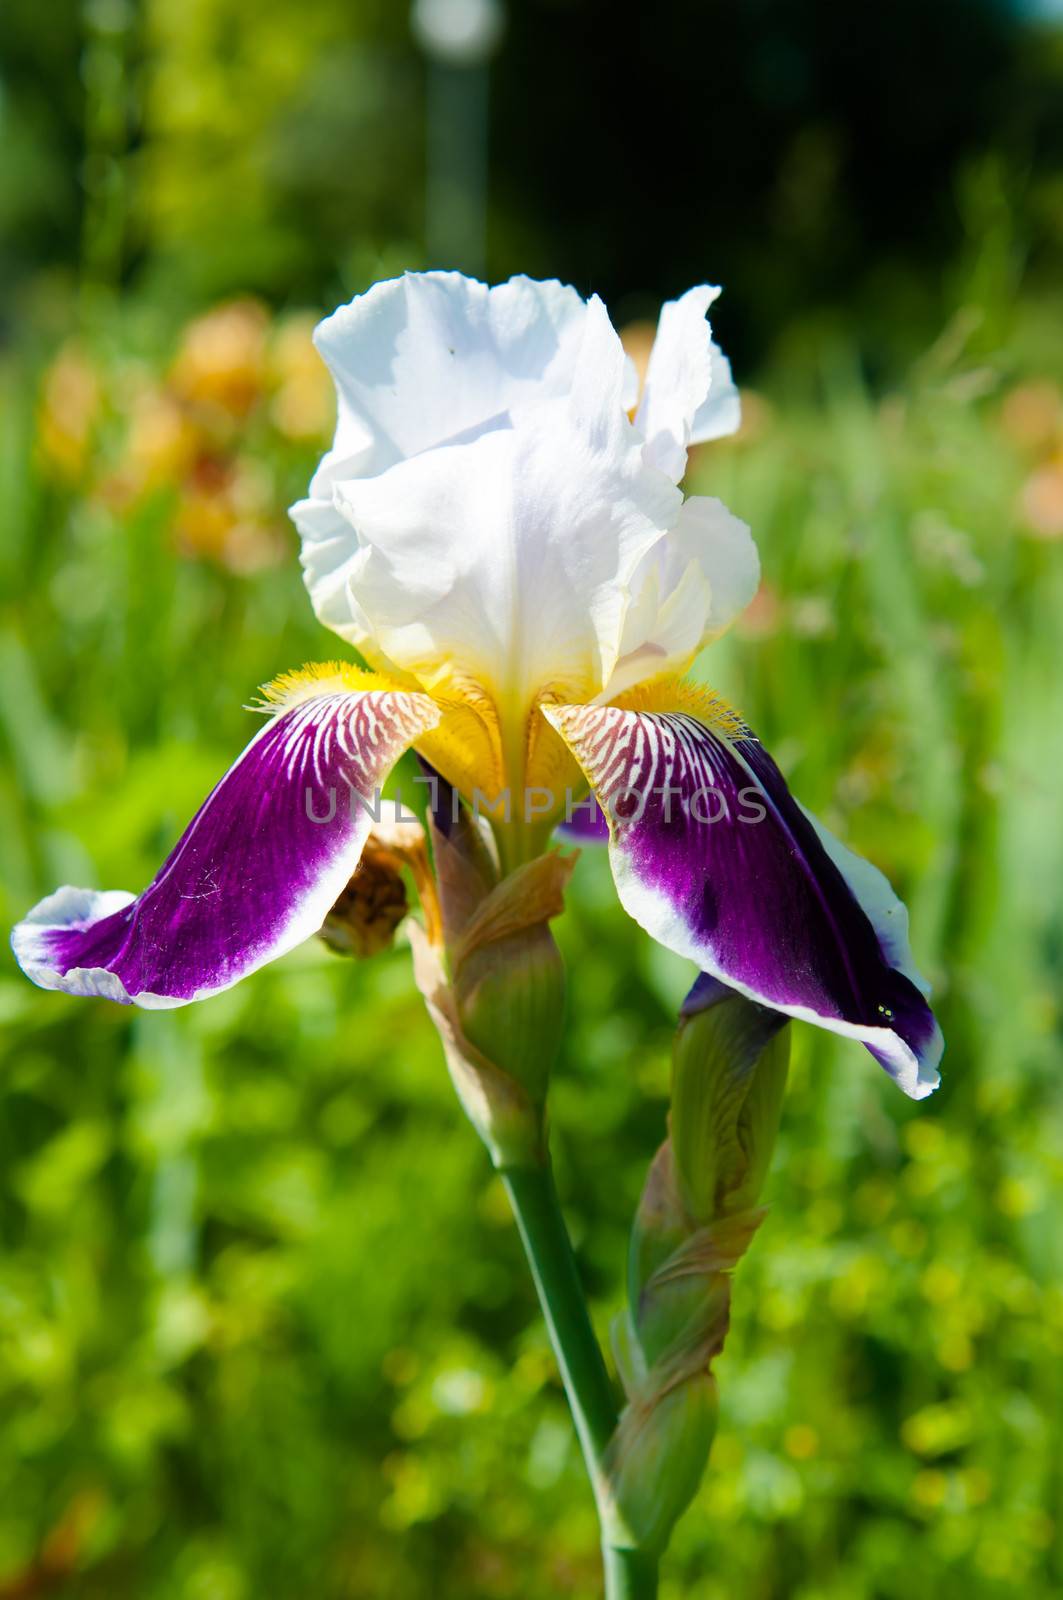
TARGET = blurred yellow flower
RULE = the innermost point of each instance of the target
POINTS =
(801, 1442)
(221, 361)
(939, 1283)
(223, 514)
(177, 431)
(70, 406)
(303, 405)
(937, 1430)
(159, 447)
(929, 1488)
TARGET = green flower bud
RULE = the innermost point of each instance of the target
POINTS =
(658, 1457)
(466, 867)
(508, 1119)
(728, 1078)
(695, 1220)
(510, 995)
(495, 987)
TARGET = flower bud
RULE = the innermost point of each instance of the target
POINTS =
(729, 1070)
(507, 1117)
(494, 985)
(695, 1220)
(510, 996)
(466, 866)
(658, 1457)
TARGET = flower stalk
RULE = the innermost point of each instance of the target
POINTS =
(493, 981)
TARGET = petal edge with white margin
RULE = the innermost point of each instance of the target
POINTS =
(755, 899)
(257, 869)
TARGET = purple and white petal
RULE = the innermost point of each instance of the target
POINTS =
(712, 855)
(257, 869)
(887, 913)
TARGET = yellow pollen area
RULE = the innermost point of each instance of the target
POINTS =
(467, 746)
(674, 695)
(316, 678)
(463, 746)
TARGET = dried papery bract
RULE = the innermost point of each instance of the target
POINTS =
(367, 915)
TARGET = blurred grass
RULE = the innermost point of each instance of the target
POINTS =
(264, 1325)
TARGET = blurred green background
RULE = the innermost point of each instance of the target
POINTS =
(265, 1329)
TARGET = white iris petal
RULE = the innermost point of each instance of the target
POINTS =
(488, 515)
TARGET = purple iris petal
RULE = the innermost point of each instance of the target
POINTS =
(587, 824)
(256, 871)
(705, 991)
(715, 858)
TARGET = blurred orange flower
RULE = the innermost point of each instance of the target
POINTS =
(762, 616)
(221, 361)
(226, 513)
(1031, 415)
(123, 433)
(637, 339)
(1041, 500)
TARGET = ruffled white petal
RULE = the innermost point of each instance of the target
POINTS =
(488, 515)
(689, 394)
(327, 551)
(508, 558)
(688, 589)
(720, 413)
(420, 361)
(432, 358)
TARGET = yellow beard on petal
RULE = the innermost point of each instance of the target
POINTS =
(321, 677)
(490, 742)
(481, 753)
(674, 694)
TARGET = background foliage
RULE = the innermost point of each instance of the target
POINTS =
(264, 1325)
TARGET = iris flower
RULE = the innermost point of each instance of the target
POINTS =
(500, 532)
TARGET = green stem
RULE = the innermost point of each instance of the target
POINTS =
(629, 1574)
(546, 1243)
